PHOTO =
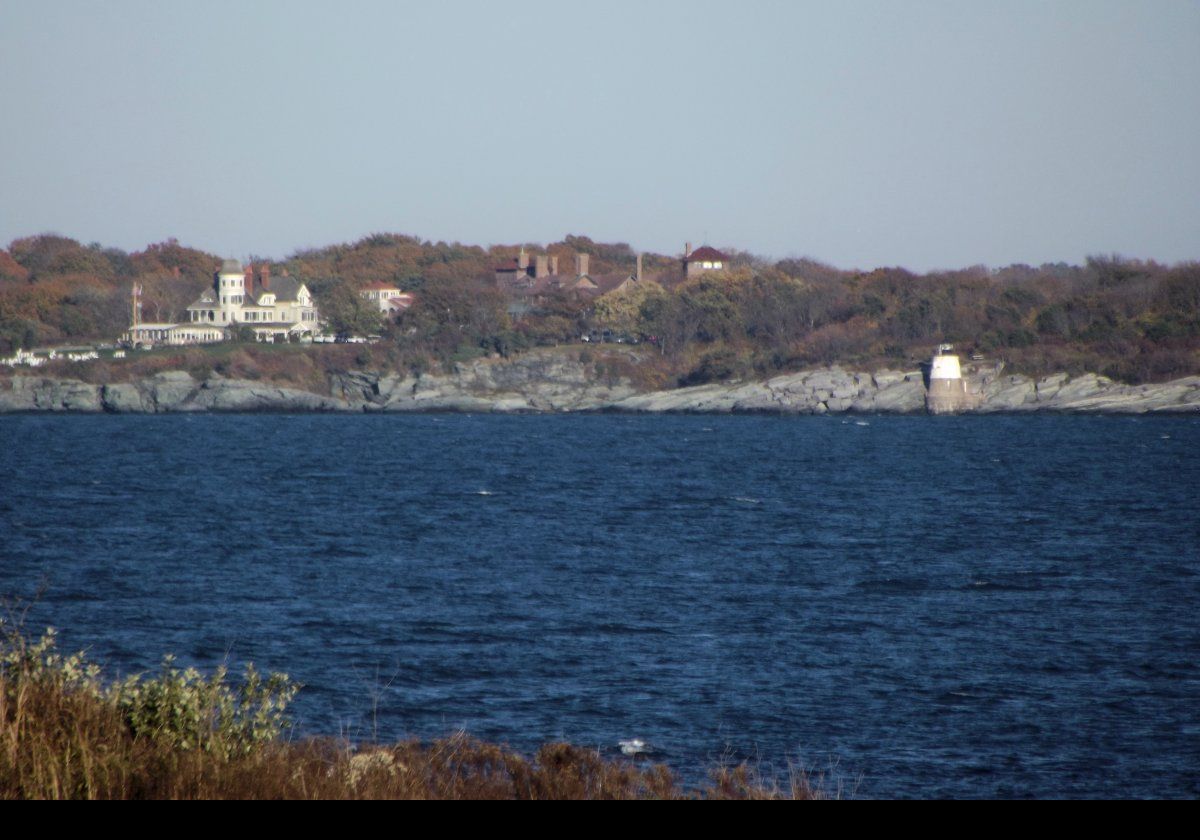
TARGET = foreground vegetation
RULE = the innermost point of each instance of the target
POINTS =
(67, 734)
(1134, 321)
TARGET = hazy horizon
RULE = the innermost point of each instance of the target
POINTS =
(925, 135)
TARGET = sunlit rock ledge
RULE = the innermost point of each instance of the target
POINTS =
(560, 384)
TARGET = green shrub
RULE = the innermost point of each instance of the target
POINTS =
(181, 709)
(186, 710)
(39, 664)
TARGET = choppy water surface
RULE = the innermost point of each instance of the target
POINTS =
(986, 606)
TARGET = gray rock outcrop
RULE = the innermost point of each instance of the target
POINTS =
(1088, 393)
(550, 381)
(169, 392)
(28, 393)
(539, 381)
(808, 392)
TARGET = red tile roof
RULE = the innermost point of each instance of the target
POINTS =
(707, 254)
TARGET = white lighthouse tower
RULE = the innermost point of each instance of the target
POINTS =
(947, 393)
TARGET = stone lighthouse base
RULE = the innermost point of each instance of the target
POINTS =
(947, 396)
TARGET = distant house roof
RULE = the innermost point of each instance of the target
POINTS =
(550, 283)
(606, 283)
(379, 285)
(509, 265)
(706, 254)
(285, 289)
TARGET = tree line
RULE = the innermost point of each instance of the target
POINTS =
(1133, 320)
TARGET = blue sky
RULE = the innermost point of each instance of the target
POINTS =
(916, 133)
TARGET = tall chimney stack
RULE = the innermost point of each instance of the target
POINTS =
(553, 264)
(523, 260)
(581, 264)
(637, 274)
(687, 250)
(542, 266)
(266, 277)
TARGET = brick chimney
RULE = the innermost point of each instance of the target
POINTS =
(687, 250)
(543, 266)
(553, 265)
(637, 274)
(581, 264)
(265, 277)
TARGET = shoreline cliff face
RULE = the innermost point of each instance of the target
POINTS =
(558, 383)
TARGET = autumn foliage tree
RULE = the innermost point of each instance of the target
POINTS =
(1130, 319)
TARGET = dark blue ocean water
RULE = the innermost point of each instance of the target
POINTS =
(917, 606)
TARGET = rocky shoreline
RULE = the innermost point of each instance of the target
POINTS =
(557, 383)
